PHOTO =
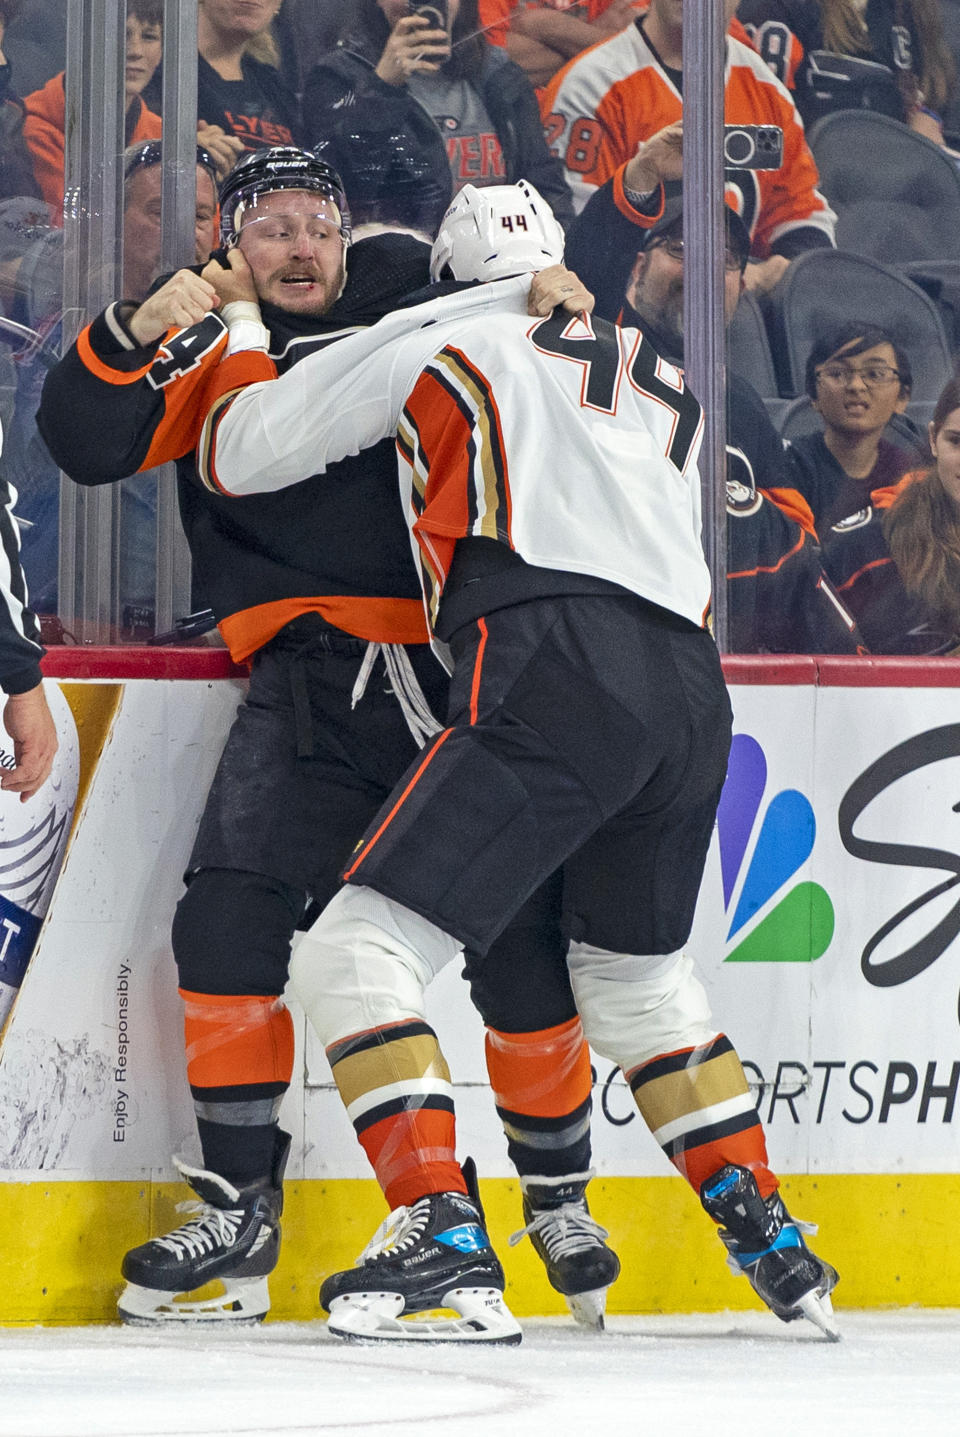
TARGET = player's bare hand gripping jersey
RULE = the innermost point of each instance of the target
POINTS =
(571, 441)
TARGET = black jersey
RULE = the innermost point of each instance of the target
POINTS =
(789, 36)
(335, 545)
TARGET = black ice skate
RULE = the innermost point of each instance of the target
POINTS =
(570, 1243)
(233, 1237)
(766, 1243)
(431, 1256)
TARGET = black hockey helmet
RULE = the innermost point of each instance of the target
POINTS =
(284, 167)
(395, 167)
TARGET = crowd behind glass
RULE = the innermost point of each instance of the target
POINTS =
(843, 280)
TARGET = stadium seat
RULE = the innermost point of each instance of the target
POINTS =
(826, 288)
(950, 18)
(920, 413)
(748, 347)
(907, 431)
(896, 194)
(778, 408)
(940, 279)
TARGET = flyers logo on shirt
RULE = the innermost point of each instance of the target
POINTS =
(256, 132)
(473, 158)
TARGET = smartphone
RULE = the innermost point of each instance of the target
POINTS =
(753, 147)
(433, 10)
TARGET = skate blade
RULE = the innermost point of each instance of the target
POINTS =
(588, 1308)
(480, 1315)
(819, 1310)
(241, 1301)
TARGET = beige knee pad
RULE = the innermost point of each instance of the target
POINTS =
(365, 963)
(635, 1006)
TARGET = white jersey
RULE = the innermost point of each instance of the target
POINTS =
(568, 439)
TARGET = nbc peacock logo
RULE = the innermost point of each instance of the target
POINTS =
(761, 850)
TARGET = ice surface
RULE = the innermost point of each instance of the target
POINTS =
(894, 1372)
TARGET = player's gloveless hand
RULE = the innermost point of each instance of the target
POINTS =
(558, 285)
(29, 722)
(232, 281)
(183, 300)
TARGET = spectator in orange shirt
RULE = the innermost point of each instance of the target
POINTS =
(608, 105)
(541, 37)
(46, 109)
(240, 90)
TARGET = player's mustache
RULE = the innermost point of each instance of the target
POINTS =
(299, 271)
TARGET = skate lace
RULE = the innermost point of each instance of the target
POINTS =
(564, 1230)
(401, 1229)
(213, 1227)
(809, 1229)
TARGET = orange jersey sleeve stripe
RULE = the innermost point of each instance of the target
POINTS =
(187, 404)
(99, 370)
(865, 569)
(643, 222)
(770, 568)
(477, 670)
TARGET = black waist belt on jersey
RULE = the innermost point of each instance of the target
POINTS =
(304, 637)
(313, 631)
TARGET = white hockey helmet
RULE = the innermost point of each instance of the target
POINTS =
(494, 232)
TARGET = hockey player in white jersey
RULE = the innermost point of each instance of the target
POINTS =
(548, 469)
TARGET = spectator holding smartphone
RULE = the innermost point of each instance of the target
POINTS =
(541, 38)
(622, 101)
(423, 70)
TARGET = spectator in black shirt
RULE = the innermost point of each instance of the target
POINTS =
(239, 85)
(857, 378)
(467, 114)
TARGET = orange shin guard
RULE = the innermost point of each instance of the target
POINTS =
(544, 1074)
(236, 1041)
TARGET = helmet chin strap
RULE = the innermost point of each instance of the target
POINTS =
(343, 271)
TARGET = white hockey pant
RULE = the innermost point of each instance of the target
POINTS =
(634, 1007)
(366, 963)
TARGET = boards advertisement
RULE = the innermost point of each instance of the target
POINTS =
(826, 936)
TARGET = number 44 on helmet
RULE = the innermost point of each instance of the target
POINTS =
(495, 232)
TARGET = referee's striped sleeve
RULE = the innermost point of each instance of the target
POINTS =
(20, 646)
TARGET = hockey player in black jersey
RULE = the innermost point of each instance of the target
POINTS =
(316, 588)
